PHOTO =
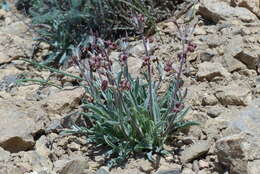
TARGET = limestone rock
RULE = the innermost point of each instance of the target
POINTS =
(234, 94)
(4, 155)
(217, 11)
(252, 5)
(248, 119)
(232, 48)
(237, 150)
(19, 123)
(10, 169)
(102, 170)
(13, 47)
(240, 148)
(75, 166)
(208, 71)
(194, 151)
(62, 102)
(187, 171)
(249, 57)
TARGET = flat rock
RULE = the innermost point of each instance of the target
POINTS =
(239, 152)
(208, 71)
(252, 5)
(194, 151)
(62, 102)
(20, 121)
(234, 94)
(249, 57)
(102, 170)
(75, 166)
(4, 155)
(219, 10)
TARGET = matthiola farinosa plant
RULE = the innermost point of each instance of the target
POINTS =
(126, 113)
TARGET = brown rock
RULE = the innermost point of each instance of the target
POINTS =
(249, 57)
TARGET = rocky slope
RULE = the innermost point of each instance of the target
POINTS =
(222, 77)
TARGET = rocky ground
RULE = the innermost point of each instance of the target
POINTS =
(223, 81)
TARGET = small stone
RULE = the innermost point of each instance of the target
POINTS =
(209, 100)
(195, 166)
(74, 146)
(204, 171)
(103, 170)
(203, 164)
(75, 166)
(4, 155)
(187, 171)
(194, 151)
(214, 111)
(174, 171)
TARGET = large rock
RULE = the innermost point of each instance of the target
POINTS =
(78, 166)
(252, 5)
(231, 49)
(20, 122)
(249, 57)
(240, 148)
(62, 102)
(240, 153)
(13, 47)
(208, 71)
(194, 151)
(218, 10)
(234, 94)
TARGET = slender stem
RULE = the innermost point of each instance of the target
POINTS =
(149, 76)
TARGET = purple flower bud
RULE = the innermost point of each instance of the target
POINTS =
(191, 47)
(168, 66)
(123, 58)
(104, 85)
(125, 85)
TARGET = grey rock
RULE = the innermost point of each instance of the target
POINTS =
(187, 171)
(248, 119)
(4, 155)
(75, 166)
(176, 171)
(239, 150)
(214, 111)
(194, 151)
(102, 171)
(232, 48)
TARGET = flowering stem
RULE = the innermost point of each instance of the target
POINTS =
(149, 76)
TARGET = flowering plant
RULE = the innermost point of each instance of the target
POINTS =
(126, 113)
